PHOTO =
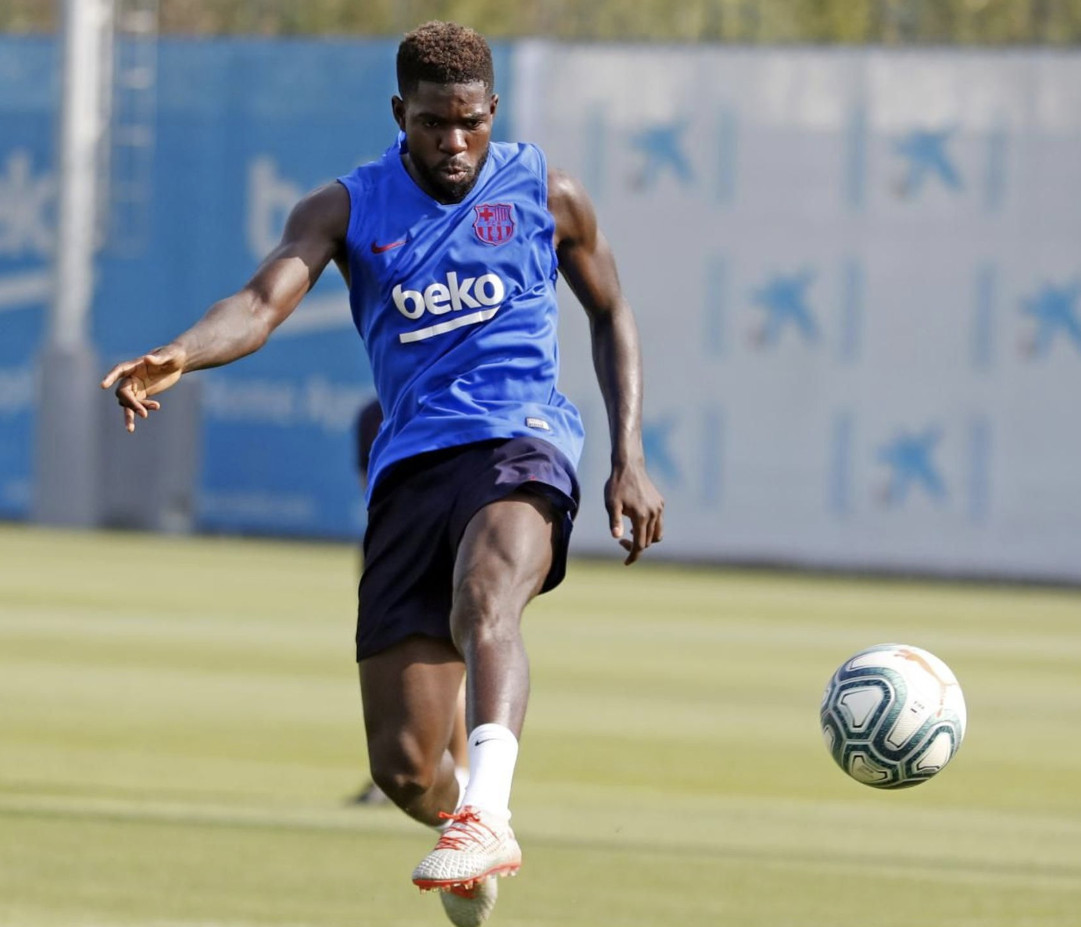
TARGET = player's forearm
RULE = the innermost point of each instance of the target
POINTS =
(231, 329)
(618, 363)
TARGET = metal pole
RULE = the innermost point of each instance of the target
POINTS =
(87, 30)
(67, 467)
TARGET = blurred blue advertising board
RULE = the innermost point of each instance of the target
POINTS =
(242, 128)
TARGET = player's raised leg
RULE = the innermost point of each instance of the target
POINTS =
(504, 557)
(410, 695)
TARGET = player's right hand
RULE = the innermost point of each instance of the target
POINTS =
(139, 379)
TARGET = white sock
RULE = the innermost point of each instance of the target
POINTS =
(493, 751)
(461, 773)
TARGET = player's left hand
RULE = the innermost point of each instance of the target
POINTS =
(630, 493)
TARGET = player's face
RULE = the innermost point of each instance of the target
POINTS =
(447, 128)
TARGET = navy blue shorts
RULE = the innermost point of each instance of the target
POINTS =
(417, 515)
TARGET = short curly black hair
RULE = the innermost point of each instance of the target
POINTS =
(444, 53)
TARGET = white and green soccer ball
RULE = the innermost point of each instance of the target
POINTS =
(893, 716)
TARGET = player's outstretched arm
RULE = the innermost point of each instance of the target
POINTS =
(240, 324)
(587, 264)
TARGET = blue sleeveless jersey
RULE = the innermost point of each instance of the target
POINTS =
(457, 308)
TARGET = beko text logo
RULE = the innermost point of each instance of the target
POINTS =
(484, 294)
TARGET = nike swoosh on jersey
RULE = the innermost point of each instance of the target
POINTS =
(379, 249)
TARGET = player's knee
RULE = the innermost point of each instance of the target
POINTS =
(400, 772)
(480, 614)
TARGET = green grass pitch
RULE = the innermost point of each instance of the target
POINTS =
(180, 726)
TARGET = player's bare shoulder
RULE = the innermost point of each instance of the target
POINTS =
(322, 213)
(571, 207)
(316, 229)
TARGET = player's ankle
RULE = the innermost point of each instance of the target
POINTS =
(493, 752)
(461, 774)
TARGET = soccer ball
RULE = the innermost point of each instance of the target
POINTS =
(893, 715)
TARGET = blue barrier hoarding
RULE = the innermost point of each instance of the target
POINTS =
(28, 95)
(242, 128)
(855, 272)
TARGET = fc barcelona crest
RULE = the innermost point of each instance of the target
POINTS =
(494, 223)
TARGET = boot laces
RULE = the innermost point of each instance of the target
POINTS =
(466, 828)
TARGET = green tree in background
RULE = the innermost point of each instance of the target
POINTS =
(891, 22)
